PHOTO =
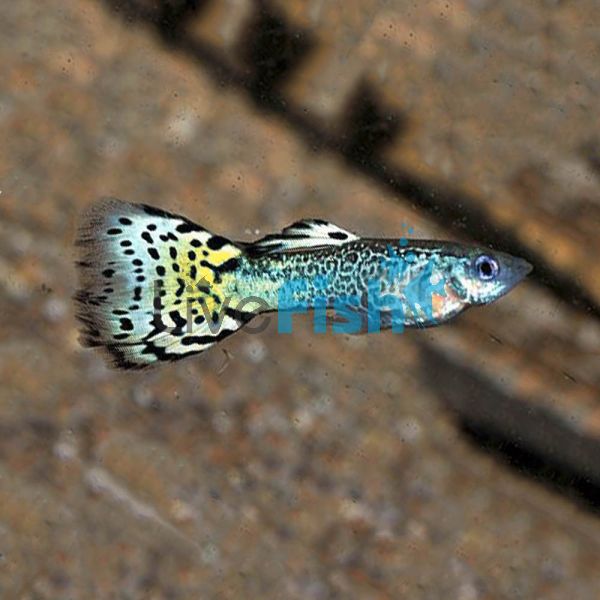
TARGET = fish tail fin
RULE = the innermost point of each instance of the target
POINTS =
(153, 284)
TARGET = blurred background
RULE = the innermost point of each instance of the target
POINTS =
(461, 462)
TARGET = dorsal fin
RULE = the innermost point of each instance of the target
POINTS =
(305, 234)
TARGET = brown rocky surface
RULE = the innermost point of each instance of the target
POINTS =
(304, 466)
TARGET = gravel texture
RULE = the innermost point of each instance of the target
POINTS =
(305, 466)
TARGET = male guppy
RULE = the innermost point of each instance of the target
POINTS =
(156, 286)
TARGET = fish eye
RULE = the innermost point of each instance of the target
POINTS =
(486, 267)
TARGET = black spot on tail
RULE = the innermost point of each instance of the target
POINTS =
(216, 242)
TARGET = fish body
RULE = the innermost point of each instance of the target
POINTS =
(156, 286)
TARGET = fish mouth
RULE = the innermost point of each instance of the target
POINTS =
(518, 270)
(522, 268)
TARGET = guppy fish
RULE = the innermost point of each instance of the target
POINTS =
(155, 286)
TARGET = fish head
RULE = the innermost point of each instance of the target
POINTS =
(481, 276)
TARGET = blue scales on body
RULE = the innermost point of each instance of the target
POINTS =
(155, 286)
